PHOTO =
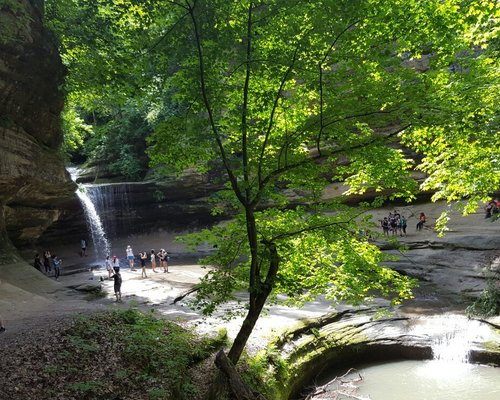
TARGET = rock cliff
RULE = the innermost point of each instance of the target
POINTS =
(35, 189)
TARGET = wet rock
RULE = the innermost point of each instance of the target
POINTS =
(89, 287)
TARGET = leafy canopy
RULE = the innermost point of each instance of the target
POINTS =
(287, 95)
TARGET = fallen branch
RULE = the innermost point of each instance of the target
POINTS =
(180, 297)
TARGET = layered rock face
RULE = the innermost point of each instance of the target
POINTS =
(35, 189)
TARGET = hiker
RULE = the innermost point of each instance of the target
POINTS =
(37, 263)
(118, 284)
(153, 260)
(163, 255)
(115, 263)
(46, 262)
(130, 257)
(56, 263)
(402, 225)
(83, 246)
(421, 222)
(144, 257)
(109, 266)
(385, 226)
(491, 208)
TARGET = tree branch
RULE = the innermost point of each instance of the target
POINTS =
(321, 101)
(170, 29)
(306, 161)
(208, 106)
(273, 111)
(244, 112)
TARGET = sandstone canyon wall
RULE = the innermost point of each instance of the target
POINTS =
(35, 189)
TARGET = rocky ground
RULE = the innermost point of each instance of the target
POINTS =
(451, 270)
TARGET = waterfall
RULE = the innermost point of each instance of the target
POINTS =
(100, 241)
(101, 244)
(112, 201)
(452, 336)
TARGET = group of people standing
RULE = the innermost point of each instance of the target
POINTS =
(162, 257)
(49, 262)
(394, 224)
(113, 265)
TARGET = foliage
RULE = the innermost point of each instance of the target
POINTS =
(265, 372)
(91, 357)
(488, 304)
(101, 121)
(289, 95)
(75, 131)
(118, 143)
(151, 352)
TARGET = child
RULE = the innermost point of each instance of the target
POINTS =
(118, 284)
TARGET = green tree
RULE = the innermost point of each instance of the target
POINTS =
(289, 95)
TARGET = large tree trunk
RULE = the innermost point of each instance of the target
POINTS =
(258, 296)
(247, 326)
(238, 387)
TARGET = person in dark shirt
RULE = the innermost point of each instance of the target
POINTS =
(38, 263)
(118, 284)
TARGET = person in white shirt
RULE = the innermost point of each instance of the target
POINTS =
(153, 260)
(115, 263)
(109, 266)
(130, 257)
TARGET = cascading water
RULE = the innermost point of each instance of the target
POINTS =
(102, 247)
(101, 244)
(113, 205)
(451, 336)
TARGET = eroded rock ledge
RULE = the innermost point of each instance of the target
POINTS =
(35, 187)
(353, 336)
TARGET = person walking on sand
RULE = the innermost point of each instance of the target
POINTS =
(109, 266)
(153, 260)
(130, 257)
(56, 263)
(144, 257)
(118, 284)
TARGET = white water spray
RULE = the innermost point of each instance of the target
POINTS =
(102, 246)
(452, 336)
